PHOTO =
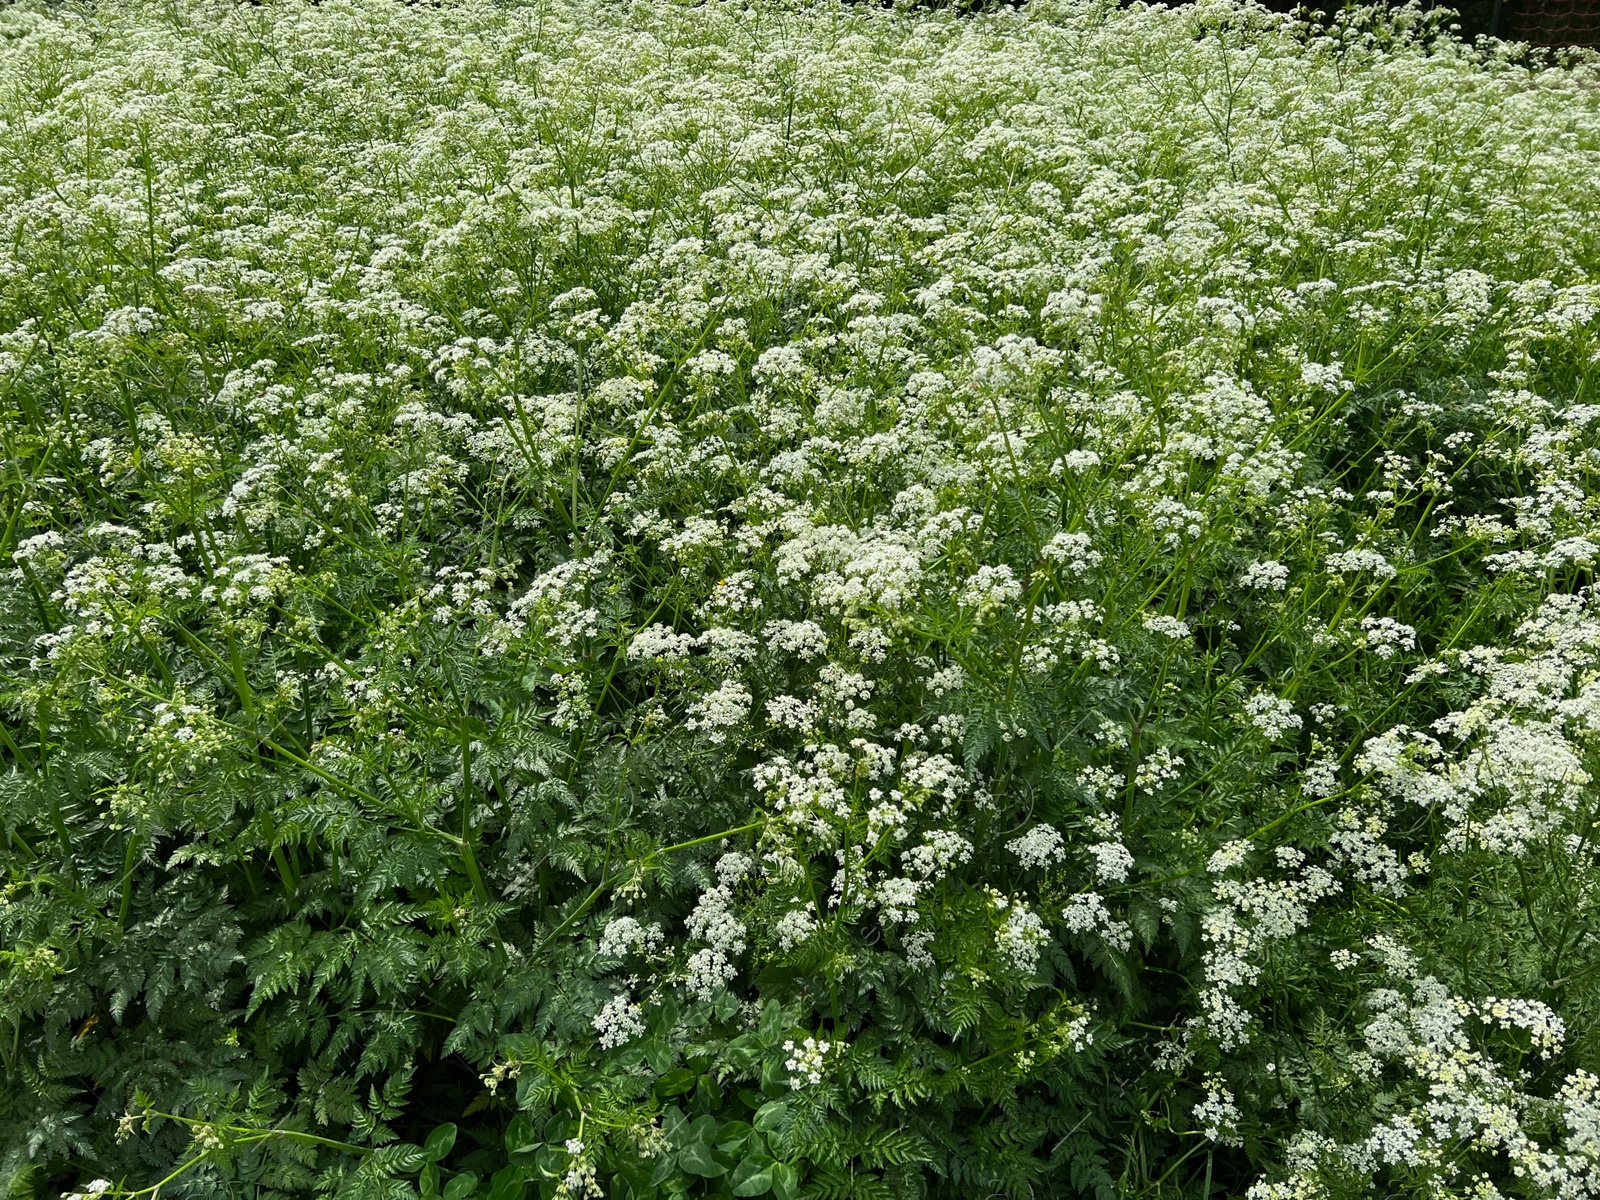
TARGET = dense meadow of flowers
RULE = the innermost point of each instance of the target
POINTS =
(641, 600)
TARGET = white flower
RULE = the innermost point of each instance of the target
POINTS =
(1321, 778)
(1079, 461)
(1547, 1030)
(1267, 575)
(1038, 847)
(733, 867)
(625, 935)
(709, 971)
(712, 921)
(941, 849)
(657, 641)
(1386, 636)
(1156, 769)
(727, 646)
(1112, 861)
(794, 927)
(1087, 913)
(808, 1060)
(793, 713)
(947, 679)
(1020, 938)
(897, 900)
(916, 947)
(1272, 715)
(720, 711)
(1166, 626)
(38, 549)
(618, 1022)
(803, 639)
(990, 588)
(1073, 551)
(1329, 378)
(1217, 1114)
(1350, 562)
(1579, 550)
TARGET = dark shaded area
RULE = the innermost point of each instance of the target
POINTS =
(1539, 22)
(1554, 22)
(1476, 17)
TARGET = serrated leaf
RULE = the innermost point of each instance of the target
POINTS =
(403, 1157)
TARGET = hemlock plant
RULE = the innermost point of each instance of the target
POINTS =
(739, 599)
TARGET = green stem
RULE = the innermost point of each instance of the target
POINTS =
(606, 884)
(468, 859)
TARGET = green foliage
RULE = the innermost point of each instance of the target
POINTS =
(795, 601)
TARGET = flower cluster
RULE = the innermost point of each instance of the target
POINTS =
(834, 600)
(807, 1060)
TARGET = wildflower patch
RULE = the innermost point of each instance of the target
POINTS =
(781, 599)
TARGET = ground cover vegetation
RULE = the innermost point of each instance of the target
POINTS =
(740, 599)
